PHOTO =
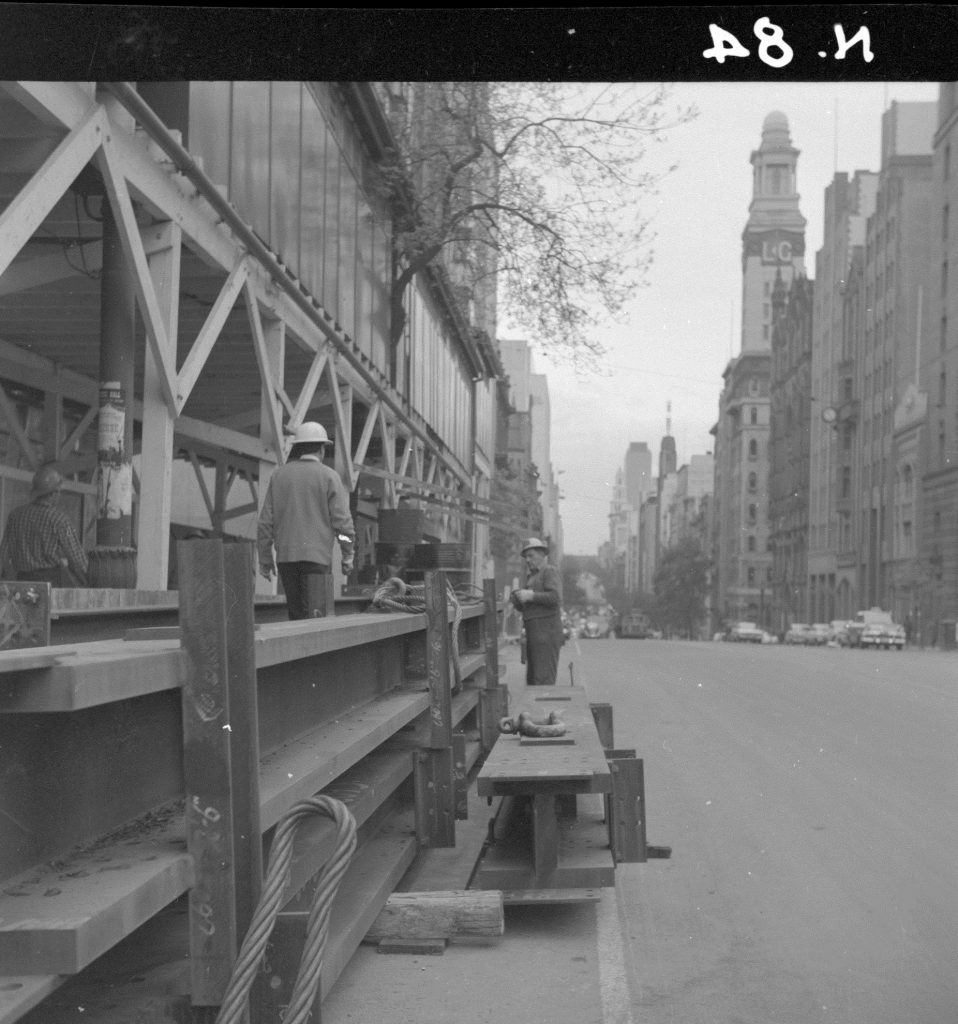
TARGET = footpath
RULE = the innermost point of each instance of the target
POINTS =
(555, 964)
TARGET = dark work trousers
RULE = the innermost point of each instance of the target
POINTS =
(543, 640)
(295, 577)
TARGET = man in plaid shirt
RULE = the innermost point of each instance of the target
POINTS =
(40, 542)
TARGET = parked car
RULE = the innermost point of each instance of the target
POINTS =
(797, 633)
(634, 624)
(769, 638)
(818, 633)
(745, 632)
(884, 635)
(596, 628)
(856, 627)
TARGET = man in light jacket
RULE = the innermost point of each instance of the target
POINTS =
(305, 510)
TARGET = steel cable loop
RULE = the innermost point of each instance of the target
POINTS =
(277, 876)
(398, 596)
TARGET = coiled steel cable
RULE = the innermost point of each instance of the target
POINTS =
(317, 928)
(398, 596)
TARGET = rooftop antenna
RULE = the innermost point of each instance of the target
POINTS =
(668, 419)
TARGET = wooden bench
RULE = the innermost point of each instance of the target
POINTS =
(551, 832)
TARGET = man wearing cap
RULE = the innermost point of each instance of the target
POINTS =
(305, 510)
(540, 602)
(40, 542)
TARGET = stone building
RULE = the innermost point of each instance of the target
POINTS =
(773, 248)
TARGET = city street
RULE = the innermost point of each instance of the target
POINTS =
(809, 796)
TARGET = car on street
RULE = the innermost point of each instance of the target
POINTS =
(797, 633)
(884, 635)
(596, 628)
(634, 624)
(745, 632)
(818, 633)
(857, 626)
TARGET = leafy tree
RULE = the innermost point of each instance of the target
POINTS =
(530, 189)
(681, 584)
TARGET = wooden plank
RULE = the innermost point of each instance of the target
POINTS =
(531, 897)
(627, 811)
(412, 947)
(582, 767)
(439, 915)
(307, 764)
(207, 770)
(602, 714)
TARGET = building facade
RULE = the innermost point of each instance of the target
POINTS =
(773, 249)
(790, 414)
(896, 274)
(849, 201)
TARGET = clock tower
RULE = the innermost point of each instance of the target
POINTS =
(773, 242)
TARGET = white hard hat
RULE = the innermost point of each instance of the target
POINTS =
(533, 542)
(311, 433)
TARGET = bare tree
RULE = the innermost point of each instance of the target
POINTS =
(532, 189)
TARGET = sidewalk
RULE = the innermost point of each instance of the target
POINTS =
(555, 964)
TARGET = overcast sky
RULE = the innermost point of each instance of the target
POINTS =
(683, 327)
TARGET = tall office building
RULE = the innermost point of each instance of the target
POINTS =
(773, 249)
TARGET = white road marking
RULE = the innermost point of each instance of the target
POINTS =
(613, 980)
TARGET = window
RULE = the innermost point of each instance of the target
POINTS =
(944, 222)
(944, 333)
(753, 448)
(846, 481)
(753, 481)
(944, 279)
(750, 576)
(753, 415)
(751, 542)
(752, 513)
(947, 162)
(778, 179)
(942, 388)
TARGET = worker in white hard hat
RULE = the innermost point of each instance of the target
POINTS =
(540, 602)
(305, 511)
(40, 541)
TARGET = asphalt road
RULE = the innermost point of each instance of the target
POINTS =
(810, 796)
